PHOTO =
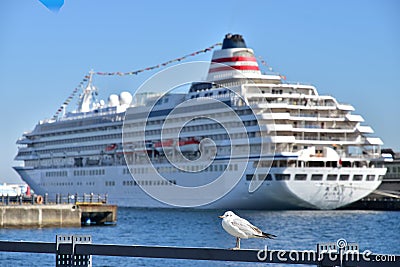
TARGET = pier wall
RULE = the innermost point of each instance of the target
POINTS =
(61, 215)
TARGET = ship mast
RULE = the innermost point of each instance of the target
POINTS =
(86, 97)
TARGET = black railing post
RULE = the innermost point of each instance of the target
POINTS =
(66, 255)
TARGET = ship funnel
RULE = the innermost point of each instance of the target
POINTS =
(233, 41)
(234, 56)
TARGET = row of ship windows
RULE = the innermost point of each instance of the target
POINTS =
(66, 183)
(76, 173)
(56, 174)
(89, 172)
(148, 182)
(112, 183)
(189, 118)
(196, 128)
(393, 169)
(211, 168)
(78, 140)
(214, 136)
(299, 101)
(67, 149)
(220, 93)
(79, 123)
(314, 177)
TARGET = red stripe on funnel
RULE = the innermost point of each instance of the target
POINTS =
(225, 68)
(232, 59)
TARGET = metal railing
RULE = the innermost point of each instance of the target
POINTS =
(58, 199)
(77, 250)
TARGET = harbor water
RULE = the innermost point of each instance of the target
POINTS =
(377, 231)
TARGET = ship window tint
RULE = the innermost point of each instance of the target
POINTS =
(282, 177)
(331, 177)
(344, 177)
(300, 177)
(316, 177)
(370, 177)
(264, 177)
(357, 177)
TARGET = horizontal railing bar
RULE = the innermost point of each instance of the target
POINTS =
(214, 254)
(28, 247)
(193, 253)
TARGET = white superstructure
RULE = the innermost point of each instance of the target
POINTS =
(318, 155)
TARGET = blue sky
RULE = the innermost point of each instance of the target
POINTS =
(348, 49)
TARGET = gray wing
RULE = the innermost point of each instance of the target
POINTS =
(246, 227)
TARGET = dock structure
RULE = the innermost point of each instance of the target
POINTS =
(67, 211)
(77, 250)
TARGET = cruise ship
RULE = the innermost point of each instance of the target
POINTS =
(239, 139)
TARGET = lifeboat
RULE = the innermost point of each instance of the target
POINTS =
(111, 147)
(164, 146)
(190, 145)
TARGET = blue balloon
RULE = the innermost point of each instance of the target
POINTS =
(53, 5)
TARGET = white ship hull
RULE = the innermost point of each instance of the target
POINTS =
(272, 195)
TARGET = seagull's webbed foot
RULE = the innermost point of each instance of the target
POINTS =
(237, 244)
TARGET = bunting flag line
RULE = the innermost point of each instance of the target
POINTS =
(86, 77)
(161, 64)
(264, 63)
(70, 97)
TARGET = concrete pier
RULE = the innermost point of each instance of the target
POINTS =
(20, 216)
(55, 215)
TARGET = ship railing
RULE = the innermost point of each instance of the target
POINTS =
(81, 199)
(293, 102)
(327, 138)
(33, 199)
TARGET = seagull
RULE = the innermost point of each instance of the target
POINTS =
(241, 228)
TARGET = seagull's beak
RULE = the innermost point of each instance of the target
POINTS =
(222, 216)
